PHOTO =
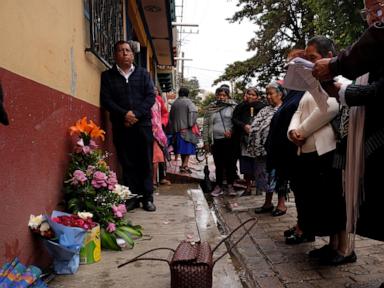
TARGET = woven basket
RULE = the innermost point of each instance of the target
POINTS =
(192, 263)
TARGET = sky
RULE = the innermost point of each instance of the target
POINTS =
(216, 43)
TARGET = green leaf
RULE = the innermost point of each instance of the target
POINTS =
(108, 240)
(131, 231)
(124, 235)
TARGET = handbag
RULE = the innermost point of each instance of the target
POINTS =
(192, 264)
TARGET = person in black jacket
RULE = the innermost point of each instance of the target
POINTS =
(127, 92)
(242, 118)
(364, 56)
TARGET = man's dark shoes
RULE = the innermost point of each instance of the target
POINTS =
(298, 239)
(149, 206)
(132, 204)
(336, 259)
(324, 252)
(263, 209)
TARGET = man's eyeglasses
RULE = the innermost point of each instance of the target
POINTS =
(376, 10)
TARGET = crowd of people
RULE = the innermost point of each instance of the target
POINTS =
(283, 142)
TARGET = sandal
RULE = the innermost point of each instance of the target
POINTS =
(277, 212)
(165, 182)
(185, 170)
(290, 231)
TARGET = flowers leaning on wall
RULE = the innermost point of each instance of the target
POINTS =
(91, 186)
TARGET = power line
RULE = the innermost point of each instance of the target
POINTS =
(205, 69)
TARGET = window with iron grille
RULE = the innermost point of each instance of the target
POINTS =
(106, 27)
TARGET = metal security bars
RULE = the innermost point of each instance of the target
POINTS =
(106, 28)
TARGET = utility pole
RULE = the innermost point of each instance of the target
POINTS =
(180, 77)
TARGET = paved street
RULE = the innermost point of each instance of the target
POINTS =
(268, 262)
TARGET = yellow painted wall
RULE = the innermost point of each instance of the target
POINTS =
(134, 16)
(44, 40)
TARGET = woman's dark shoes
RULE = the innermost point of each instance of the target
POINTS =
(277, 212)
(290, 231)
(298, 239)
(321, 253)
(149, 206)
(263, 209)
(336, 259)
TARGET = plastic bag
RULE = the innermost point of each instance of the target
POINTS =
(65, 250)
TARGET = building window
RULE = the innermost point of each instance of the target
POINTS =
(106, 28)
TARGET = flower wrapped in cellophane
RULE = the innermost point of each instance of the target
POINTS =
(90, 185)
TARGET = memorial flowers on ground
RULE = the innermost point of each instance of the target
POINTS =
(90, 185)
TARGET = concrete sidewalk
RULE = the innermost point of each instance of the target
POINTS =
(268, 262)
(182, 213)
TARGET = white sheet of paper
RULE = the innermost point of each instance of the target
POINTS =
(299, 77)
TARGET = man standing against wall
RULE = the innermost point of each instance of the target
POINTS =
(127, 92)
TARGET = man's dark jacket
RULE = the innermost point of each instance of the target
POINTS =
(119, 96)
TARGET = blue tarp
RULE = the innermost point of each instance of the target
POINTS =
(16, 275)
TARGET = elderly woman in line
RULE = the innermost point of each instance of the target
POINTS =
(265, 180)
(217, 137)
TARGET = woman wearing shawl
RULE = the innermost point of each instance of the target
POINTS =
(217, 137)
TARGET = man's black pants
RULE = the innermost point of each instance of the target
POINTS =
(134, 147)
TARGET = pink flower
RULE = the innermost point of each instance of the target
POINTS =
(119, 210)
(111, 227)
(112, 180)
(99, 179)
(92, 145)
(82, 148)
(78, 177)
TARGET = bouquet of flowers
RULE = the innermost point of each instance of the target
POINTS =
(39, 225)
(91, 186)
(63, 236)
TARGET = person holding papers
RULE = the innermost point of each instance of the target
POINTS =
(318, 188)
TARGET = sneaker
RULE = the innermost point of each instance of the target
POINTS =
(217, 191)
(231, 191)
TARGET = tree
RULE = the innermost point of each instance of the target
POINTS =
(205, 103)
(340, 20)
(284, 25)
(193, 86)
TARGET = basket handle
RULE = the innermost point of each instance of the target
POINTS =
(237, 242)
(137, 258)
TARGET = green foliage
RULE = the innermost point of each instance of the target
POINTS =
(205, 103)
(339, 20)
(193, 86)
(283, 25)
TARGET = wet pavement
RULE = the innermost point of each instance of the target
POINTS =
(268, 262)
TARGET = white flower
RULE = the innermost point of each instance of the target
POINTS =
(84, 215)
(44, 227)
(121, 242)
(123, 192)
(35, 221)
